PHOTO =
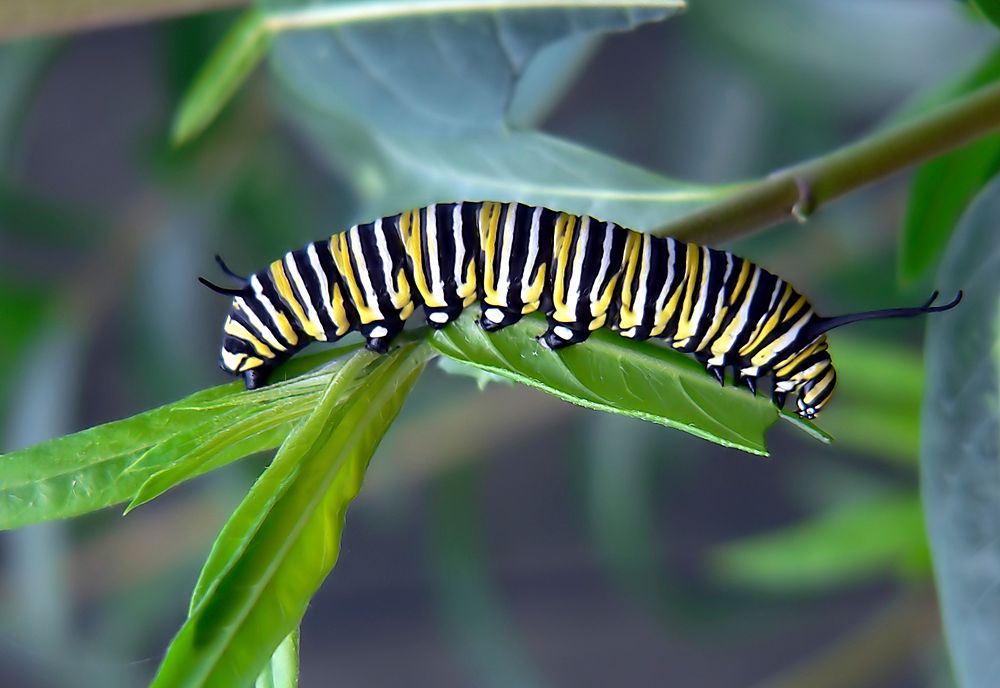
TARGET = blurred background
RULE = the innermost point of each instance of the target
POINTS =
(503, 538)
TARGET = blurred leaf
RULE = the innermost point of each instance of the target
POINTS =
(989, 9)
(107, 464)
(508, 35)
(481, 377)
(393, 173)
(470, 602)
(283, 669)
(609, 373)
(240, 51)
(960, 448)
(21, 64)
(852, 543)
(878, 418)
(389, 122)
(942, 187)
(284, 538)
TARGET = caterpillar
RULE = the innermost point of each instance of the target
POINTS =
(515, 259)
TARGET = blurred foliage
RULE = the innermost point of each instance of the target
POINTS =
(960, 445)
(943, 187)
(736, 101)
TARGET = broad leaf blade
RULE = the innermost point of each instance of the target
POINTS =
(853, 543)
(609, 373)
(285, 537)
(231, 63)
(960, 448)
(989, 9)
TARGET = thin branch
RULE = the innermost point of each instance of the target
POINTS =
(797, 191)
(22, 18)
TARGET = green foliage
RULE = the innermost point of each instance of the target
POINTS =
(852, 543)
(141, 456)
(229, 66)
(284, 538)
(943, 187)
(960, 447)
(989, 9)
(283, 669)
(641, 380)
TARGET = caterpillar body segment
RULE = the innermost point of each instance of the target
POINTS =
(515, 259)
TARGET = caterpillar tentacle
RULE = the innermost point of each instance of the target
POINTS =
(582, 273)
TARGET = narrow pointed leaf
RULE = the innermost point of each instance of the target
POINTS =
(609, 373)
(107, 464)
(283, 669)
(284, 538)
(230, 65)
(854, 543)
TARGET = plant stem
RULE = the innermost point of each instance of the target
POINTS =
(797, 191)
(20, 18)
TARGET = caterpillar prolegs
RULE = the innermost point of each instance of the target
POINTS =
(515, 259)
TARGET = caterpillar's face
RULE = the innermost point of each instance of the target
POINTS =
(245, 347)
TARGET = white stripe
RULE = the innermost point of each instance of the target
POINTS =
(262, 329)
(293, 269)
(383, 253)
(662, 299)
(581, 251)
(326, 294)
(456, 227)
(366, 282)
(639, 305)
(266, 302)
(595, 291)
(778, 347)
(503, 283)
(699, 308)
(532, 255)
(437, 286)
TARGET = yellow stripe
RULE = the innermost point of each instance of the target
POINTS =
(685, 328)
(767, 326)
(285, 290)
(633, 250)
(489, 221)
(340, 318)
(341, 256)
(565, 226)
(237, 330)
(231, 361)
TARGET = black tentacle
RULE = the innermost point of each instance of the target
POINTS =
(822, 325)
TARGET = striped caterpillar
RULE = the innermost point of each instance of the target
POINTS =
(515, 259)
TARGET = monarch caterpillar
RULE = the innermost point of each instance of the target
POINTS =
(516, 259)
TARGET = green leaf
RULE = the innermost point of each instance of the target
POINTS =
(283, 669)
(847, 545)
(942, 188)
(284, 538)
(107, 464)
(231, 63)
(960, 447)
(609, 373)
(989, 9)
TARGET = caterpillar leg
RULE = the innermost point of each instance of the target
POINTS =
(256, 377)
(379, 335)
(493, 318)
(560, 335)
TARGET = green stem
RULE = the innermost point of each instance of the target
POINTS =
(797, 191)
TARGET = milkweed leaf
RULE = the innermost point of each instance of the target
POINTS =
(609, 373)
